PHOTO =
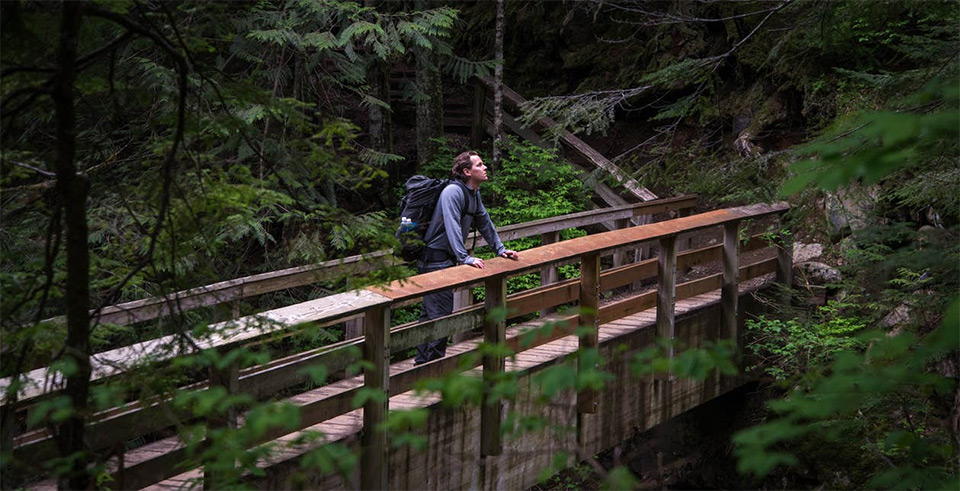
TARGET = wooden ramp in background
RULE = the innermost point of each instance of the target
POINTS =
(579, 150)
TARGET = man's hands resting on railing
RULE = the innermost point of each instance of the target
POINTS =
(478, 263)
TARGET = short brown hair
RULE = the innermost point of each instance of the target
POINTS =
(461, 163)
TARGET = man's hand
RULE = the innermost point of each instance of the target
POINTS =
(477, 263)
(510, 254)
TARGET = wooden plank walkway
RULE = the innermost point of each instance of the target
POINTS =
(347, 427)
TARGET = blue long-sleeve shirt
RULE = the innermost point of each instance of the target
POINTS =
(453, 218)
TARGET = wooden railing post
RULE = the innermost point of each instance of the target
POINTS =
(353, 328)
(228, 378)
(589, 306)
(666, 290)
(619, 254)
(373, 441)
(729, 291)
(683, 243)
(494, 333)
(548, 274)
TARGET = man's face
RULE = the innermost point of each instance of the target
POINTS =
(477, 172)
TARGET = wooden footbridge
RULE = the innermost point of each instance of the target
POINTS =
(465, 445)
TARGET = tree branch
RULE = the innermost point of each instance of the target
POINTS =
(170, 158)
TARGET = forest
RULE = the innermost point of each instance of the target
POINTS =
(160, 159)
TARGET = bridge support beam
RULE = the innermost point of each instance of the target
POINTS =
(494, 333)
(373, 440)
(548, 274)
(589, 307)
(729, 289)
(666, 290)
(620, 254)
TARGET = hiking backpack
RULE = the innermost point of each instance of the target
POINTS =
(416, 210)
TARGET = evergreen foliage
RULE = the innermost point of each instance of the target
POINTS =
(224, 139)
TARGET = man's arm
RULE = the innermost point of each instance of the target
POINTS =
(489, 232)
(451, 205)
(486, 228)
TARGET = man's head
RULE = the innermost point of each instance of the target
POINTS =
(469, 168)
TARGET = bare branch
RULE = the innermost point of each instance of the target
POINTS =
(170, 158)
(38, 170)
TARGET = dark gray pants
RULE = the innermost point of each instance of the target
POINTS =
(435, 305)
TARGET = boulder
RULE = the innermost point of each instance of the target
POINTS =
(814, 273)
(806, 252)
(901, 314)
(849, 208)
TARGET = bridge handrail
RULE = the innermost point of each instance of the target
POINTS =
(258, 284)
(334, 308)
(264, 380)
(374, 303)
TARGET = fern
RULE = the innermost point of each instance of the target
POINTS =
(462, 69)
(592, 112)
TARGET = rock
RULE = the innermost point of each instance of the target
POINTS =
(901, 314)
(806, 252)
(849, 208)
(847, 244)
(814, 273)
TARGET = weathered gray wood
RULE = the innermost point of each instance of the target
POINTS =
(275, 322)
(620, 255)
(589, 310)
(494, 333)
(548, 273)
(729, 292)
(373, 464)
(353, 328)
(235, 289)
(462, 298)
(666, 290)
(683, 240)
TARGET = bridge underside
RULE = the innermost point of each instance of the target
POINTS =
(451, 459)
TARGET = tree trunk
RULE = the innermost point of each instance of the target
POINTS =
(429, 99)
(379, 117)
(72, 190)
(381, 124)
(498, 88)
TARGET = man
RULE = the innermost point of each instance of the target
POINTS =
(458, 210)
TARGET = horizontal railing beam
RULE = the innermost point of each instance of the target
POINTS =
(591, 217)
(539, 256)
(225, 335)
